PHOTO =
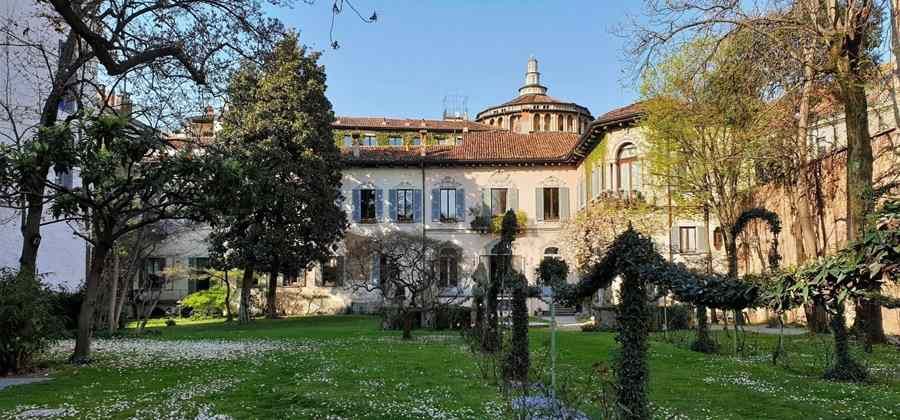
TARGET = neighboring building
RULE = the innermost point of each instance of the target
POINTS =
(24, 81)
(436, 176)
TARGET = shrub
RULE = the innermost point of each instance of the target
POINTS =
(676, 317)
(66, 305)
(27, 321)
(170, 322)
(210, 302)
(497, 221)
(452, 317)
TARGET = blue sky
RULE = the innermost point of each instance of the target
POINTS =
(419, 51)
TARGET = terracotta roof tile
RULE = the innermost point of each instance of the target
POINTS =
(477, 147)
(626, 112)
(533, 99)
(379, 123)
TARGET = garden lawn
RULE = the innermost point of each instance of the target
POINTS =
(345, 367)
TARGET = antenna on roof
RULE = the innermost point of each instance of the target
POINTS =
(456, 107)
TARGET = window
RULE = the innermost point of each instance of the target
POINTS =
(547, 126)
(535, 122)
(500, 122)
(155, 271)
(498, 201)
(458, 140)
(367, 206)
(64, 179)
(448, 204)
(551, 204)
(444, 141)
(348, 140)
(369, 140)
(687, 238)
(333, 272)
(199, 280)
(395, 141)
(448, 268)
(627, 168)
(416, 141)
(551, 251)
(405, 206)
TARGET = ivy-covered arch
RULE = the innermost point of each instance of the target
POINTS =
(774, 222)
(633, 257)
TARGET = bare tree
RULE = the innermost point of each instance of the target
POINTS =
(844, 32)
(412, 273)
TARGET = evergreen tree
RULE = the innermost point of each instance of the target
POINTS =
(281, 195)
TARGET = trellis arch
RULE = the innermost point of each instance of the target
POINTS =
(774, 222)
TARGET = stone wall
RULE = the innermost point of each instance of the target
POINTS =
(830, 192)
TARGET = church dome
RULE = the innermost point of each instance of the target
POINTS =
(535, 111)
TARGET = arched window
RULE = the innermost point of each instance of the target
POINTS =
(491, 121)
(547, 126)
(514, 123)
(535, 122)
(628, 177)
(448, 268)
(500, 122)
(570, 124)
(559, 122)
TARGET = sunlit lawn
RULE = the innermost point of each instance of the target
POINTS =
(346, 367)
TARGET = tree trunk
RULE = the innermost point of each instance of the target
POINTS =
(859, 174)
(730, 242)
(246, 288)
(113, 292)
(895, 54)
(33, 181)
(271, 308)
(703, 343)
(407, 324)
(844, 368)
(86, 312)
(816, 318)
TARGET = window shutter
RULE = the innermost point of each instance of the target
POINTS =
(417, 206)
(512, 201)
(675, 239)
(595, 182)
(486, 202)
(611, 175)
(392, 205)
(356, 209)
(702, 239)
(563, 203)
(435, 205)
(461, 204)
(539, 204)
(379, 205)
(637, 182)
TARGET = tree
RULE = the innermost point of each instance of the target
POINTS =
(412, 273)
(132, 178)
(164, 43)
(844, 32)
(714, 118)
(589, 233)
(281, 197)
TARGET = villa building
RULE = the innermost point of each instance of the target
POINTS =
(543, 158)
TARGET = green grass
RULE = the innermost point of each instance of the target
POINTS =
(346, 367)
